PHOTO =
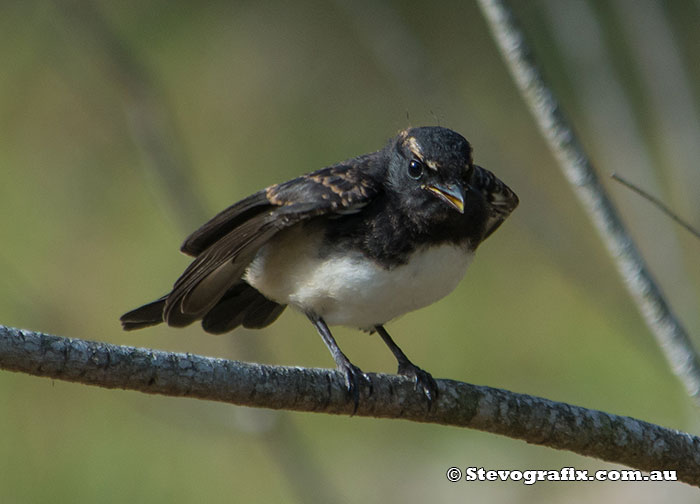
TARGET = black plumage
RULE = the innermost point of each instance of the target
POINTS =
(375, 213)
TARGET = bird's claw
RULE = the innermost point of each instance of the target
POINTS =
(354, 379)
(423, 381)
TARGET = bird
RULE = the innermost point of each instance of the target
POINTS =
(358, 244)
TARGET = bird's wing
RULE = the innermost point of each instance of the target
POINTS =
(500, 199)
(224, 222)
(226, 245)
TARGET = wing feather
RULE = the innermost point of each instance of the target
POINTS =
(226, 245)
(224, 222)
(500, 198)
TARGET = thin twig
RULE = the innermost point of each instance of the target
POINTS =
(657, 202)
(614, 438)
(578, 169)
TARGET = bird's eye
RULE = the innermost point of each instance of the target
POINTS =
(415, 169)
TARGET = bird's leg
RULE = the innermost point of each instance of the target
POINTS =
(423, 379)
(353, 374)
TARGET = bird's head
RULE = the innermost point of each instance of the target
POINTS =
(430, 169)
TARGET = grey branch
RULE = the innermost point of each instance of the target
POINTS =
(624, 440)
(670, 334)
(657, 203)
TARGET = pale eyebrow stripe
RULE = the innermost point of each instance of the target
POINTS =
(418, 152)
(415, 147)
(432, 165)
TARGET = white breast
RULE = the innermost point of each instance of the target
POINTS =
(350, 289)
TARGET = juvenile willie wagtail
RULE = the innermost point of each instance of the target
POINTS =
(357, 244)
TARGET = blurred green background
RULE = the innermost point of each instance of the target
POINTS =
(125, 125)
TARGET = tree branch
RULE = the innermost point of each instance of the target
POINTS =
(657, 203)
(670, 334)
(536, 420)
(152, 124)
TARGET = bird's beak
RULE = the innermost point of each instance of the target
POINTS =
(451, 194)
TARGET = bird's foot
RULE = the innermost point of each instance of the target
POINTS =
(423, 380)
(355, 379)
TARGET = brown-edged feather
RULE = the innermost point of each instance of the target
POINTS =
(226, 245)
(224, 222)
(500, 198)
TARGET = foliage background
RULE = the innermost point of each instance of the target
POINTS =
(244, 94)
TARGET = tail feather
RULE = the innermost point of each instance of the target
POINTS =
(241, 305)
(144, 316)
(261, 313)
(229, 311)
